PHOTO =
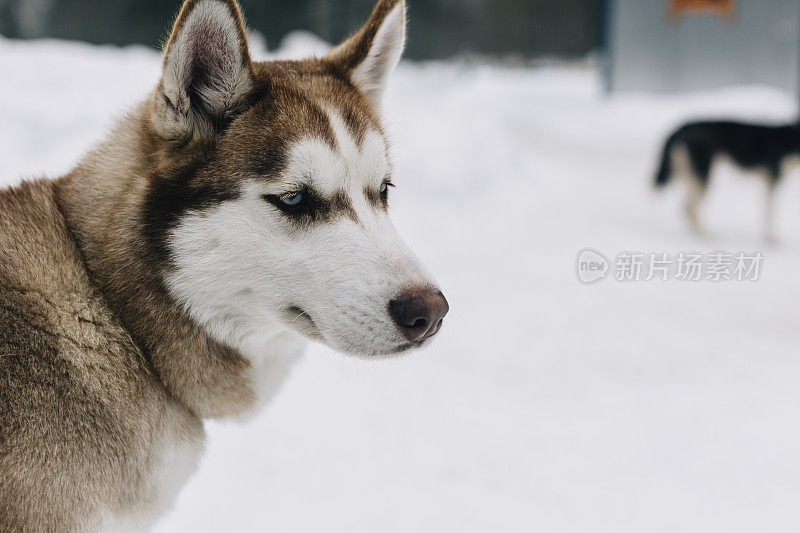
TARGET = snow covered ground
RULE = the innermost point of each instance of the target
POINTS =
(545, 405)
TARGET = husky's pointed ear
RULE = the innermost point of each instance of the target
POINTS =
(372, 53)
(207, 70)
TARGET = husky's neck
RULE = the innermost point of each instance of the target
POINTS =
(105, 203)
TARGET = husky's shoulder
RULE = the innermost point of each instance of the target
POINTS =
(77, 400)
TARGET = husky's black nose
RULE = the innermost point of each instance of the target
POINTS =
(421, 315)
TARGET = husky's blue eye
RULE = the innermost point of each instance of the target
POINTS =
(293, 200)
(385, 186)
(292, 204)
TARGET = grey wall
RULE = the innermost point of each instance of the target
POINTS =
(651, 52)
(438, 28)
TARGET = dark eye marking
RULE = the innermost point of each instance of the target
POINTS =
(300, 204)
(380, 198)
(306, 206)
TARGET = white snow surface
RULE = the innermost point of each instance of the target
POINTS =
(545, 405)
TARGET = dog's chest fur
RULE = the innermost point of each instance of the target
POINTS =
(89, 439)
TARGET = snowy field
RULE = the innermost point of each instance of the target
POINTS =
(545, 405)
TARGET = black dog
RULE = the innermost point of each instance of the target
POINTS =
(690, 153)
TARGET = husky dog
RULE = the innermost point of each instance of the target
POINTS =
(690, 153)
(174, 274)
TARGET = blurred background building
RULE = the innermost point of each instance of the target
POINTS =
(439, 28)
(686, 45)
(647, 45)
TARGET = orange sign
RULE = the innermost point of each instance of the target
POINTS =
(723, 8)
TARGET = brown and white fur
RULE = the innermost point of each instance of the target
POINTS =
(167, 280)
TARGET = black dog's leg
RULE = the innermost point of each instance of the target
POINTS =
(700, 170)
